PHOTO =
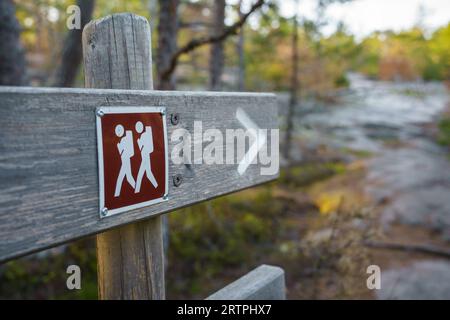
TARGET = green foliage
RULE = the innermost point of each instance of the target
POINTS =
(309, 173)
(216, 232)
(357, 153)
(212, 236)
(444, 132)
(45, 277)
(407, 55)
(438, 66)
(341, 81)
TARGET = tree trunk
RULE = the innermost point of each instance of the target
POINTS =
(12, 59)
(72, 50)
(240, 53)
(293, 101)
(216, 60)
(167, 41)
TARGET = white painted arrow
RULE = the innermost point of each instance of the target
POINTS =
(260, 140)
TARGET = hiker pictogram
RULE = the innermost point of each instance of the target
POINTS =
(126, 151)
(145, 143)
(133, 157)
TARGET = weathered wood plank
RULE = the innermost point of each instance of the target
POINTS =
(130, 261)
(263, 283)
(48, 159)
(130, 258)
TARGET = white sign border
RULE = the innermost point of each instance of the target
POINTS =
(100, 111)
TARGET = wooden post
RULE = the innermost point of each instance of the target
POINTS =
(117, 55)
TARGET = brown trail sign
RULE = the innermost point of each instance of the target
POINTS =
(49, 165)
(133, 158)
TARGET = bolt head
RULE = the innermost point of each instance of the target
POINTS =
(100, 113)
(177, 180)
(104, 212)
(166, 197)
(162, 111)
(174, 118)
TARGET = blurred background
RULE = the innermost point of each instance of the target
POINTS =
(363, 92)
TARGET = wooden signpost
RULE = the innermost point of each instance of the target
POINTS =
(49, 161)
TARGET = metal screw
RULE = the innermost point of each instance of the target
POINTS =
(162, 111)
(177, 180)
(166, 197)
(175, 118)
(104, 212)
(100, 113)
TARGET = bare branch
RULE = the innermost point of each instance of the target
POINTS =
(195, 43)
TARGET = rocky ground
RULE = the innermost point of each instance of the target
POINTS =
(407, 177)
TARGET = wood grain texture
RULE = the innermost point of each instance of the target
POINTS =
(263, 283)
(116, 52)
(130, 258)
(130, 261)
(48, 159)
